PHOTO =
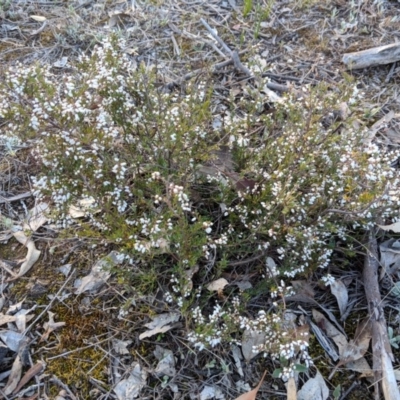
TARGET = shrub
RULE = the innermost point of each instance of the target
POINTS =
(194, 193)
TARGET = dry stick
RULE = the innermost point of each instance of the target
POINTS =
(233, 54)
(196, 72)
(371, 57)
(381, 350)
(216, 37)
(237, 63)
(15, 198)
(248, 260)
(278, 87)
(195, 37)
(234, 59)
(390, 74)
(200, 70)
(64, 386)
(49, 305)
(349, 390)
(4, 395)
(81, 348)
(4, 266)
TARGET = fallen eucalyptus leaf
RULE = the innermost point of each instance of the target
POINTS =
(250, 340)
(50, 326)
(217, 285)
(5, 319)
(61, 395)
(330, 330)
(358, 365)
(12, 339)
(339, 290)
(392, 227)
(61, 63)
(99, 274)
(36, 217)
(302, 287)
(253, 393)
(21, 318)
(14, 308)
(314, 389)
(390, 256)
(32, 255)
(162, 319)
(129, 388)
(120, 346)
(358, 347)
(211, 392)
(243, 285)
(159, 324)
(65, 269)
(32, 372)
(166, 364)
(15, 376)
(83, 207)
(237, 356)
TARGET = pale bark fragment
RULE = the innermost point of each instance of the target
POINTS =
(381, 350)
(371, 57)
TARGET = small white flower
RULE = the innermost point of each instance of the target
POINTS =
(328, 279)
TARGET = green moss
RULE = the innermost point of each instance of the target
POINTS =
(84, 360)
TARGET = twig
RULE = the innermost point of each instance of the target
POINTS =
(190, 75)
(64, 386)
(15, 198)
(232, 53)
(390, 74)
(278, 87)
(96, 383)
(238, 65)
(4, 266)
(4, 395)
(81, 348)
(50, 304)
(247, 260)
(216, 37)
(349, 390)
(195, 37)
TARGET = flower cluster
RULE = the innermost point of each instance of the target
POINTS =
(284, 339)
(210, 333)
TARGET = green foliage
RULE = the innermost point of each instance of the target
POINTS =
(247, 7)
(277, 373)
(336, 393)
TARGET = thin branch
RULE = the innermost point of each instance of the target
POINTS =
(50, 304)
(216, 37)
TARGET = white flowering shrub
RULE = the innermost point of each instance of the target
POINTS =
(111, 135)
